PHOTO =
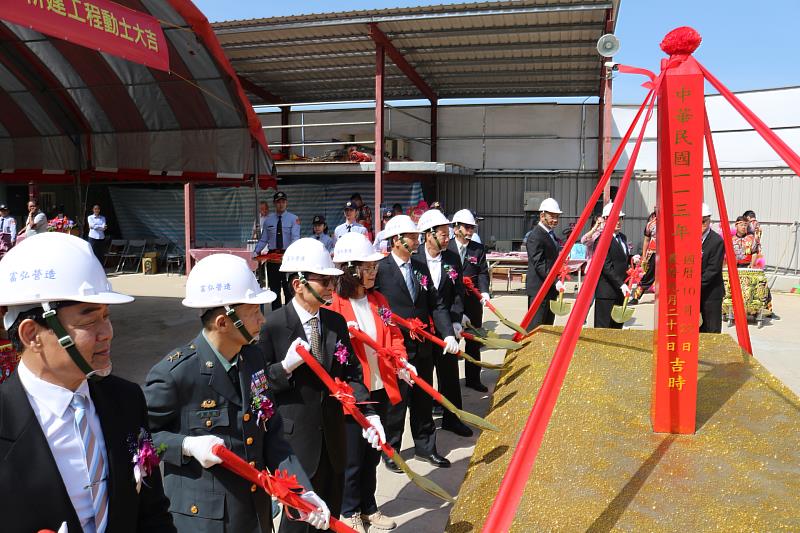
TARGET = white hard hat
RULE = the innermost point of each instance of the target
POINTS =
(308, 255)
(430, 219)
(550, 205)
(706, 210)
(52, 267)
(607, 210)
(354, 247)
(399, 225)
(464, 216)
(223, 279)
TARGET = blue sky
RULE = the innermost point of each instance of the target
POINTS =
(746, 44)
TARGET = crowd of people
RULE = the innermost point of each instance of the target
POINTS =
(242, 382)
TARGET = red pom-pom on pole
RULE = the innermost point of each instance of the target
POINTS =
(683, 40)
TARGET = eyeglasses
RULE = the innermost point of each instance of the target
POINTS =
(322, 280)
(368, 269)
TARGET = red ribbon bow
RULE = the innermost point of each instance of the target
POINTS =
(564, 274)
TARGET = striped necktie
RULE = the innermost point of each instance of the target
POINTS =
(409, 276)
(315, 339)
(95, 464)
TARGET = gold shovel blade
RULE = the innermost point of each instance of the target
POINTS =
(516, 327)
(502, 344)
(482, 364)
(475, 420)
(422, 482)
(622, 313)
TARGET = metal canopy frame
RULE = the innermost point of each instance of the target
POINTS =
(506, 48)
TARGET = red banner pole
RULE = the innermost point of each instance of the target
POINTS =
(739, 313)
(508, 496)
(777, 144)
(587, 211)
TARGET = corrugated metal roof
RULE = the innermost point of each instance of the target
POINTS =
(483, 49)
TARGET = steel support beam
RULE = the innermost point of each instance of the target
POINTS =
(397, 58)
(605, 117)
(188, 222)
(434, 123)
(380, 62)
(285, 140)
(259, 91)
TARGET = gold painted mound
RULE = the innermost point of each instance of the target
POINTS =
(601, 468)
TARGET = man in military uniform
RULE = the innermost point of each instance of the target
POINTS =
(279, 231)
(214, 391)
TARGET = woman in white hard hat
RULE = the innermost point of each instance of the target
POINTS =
(72, 433)
(314, 422)
(212, 391)
(365, 308)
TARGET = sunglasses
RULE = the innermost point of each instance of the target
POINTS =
(322, 280)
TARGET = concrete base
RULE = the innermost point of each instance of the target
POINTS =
(601, 467)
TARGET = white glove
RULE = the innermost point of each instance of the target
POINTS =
(375, 434)
(485, 297)
(637, 259)
(200, 448)
(320, 518)
(405, 373)
(293, 359)
(353, 324)
(457, 328)
(560, 286)
(466, 322)
(451, 345)
(625, 289)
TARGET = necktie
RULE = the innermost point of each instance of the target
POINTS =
(349, 227)
(279, 233)
(621, 244)
(95, 463)
(315, 340)
(410, 280)
(553, 236)
(462, 251)
(233, 373)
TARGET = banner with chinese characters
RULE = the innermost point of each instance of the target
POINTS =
(97, 24)
(678, 246)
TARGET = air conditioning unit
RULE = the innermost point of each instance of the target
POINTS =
(533, 199)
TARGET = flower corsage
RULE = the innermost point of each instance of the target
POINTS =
(146, 456)
(452, 273)
(263, 408)
(423, 280)
(341, 353)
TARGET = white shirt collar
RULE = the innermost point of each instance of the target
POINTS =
(399, 261)
(548, 230)
(50, 396)
(302, 314)
(430, 258)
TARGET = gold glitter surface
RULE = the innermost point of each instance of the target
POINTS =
(601, 468)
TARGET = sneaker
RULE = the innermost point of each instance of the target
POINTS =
(354, 522)
(378, 520)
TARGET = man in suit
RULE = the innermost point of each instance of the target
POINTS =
(472, 257)
(611, 287)
(69, 430)
(313, 420)
(278, 231)
(408, 288)
(214, 391)
(712, 287)
(542, 247)
(445, 268)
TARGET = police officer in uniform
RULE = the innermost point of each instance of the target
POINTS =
(320, 232)
(350, 224)
(279, 231)
(214, 391)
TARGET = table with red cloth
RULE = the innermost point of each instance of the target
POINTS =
(199, 253)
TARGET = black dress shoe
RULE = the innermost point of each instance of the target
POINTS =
(438, 410)
(459, 428)
(436, 460)
(480, 387)
(391, 466)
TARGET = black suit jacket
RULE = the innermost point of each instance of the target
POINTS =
(712, 286)
(451, 290)
(308, 410)
(426, 306)
(476, 268)
(34, 496)
(189, 393)
(542, 255)
(615, 270)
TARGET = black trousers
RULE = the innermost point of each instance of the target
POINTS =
(278, 281)
(360, 474)
(472, 372)
(98, 248)
(544, 316)
(419, 405)
(327, 483)
(449, 384)
(602, 312)
(649, 277)
(711, 311)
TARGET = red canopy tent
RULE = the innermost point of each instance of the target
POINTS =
(72, 114)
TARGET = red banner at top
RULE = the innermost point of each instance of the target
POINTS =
(98, 24)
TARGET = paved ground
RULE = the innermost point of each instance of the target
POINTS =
(156, 322)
